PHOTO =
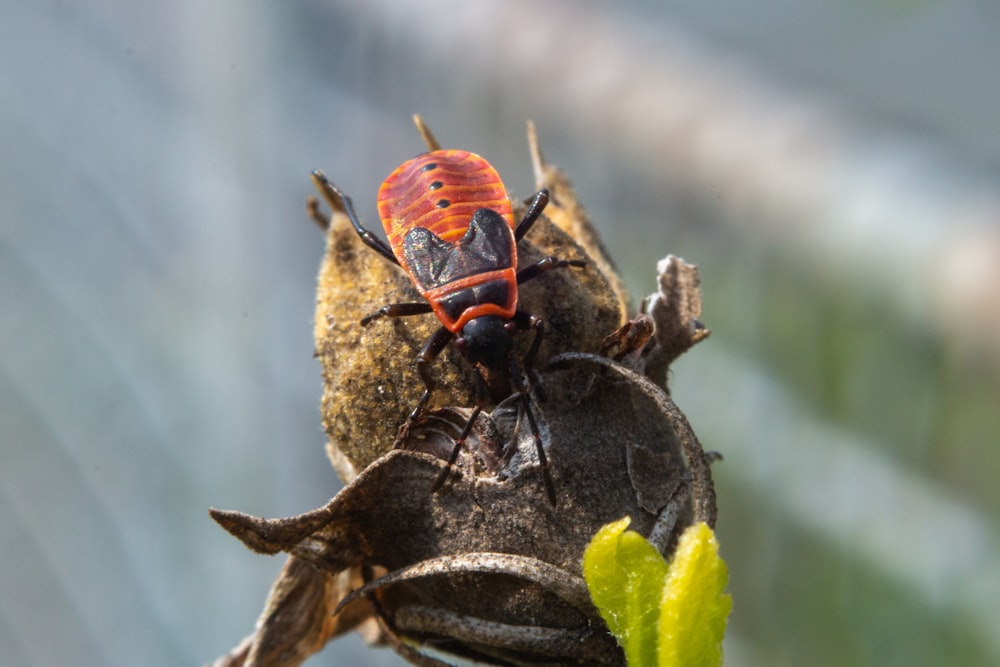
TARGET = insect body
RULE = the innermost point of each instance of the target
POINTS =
(450, 225)
(451, 228)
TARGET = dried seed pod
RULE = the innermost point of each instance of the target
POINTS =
(370, 384)
(486, 568)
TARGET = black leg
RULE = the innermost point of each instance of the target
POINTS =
(397, 310)
(524, 321)
(332, 194)
(482, 396)
(544, 265)
(431, 349)
(534, 210)
(456, 449)
(543, 461)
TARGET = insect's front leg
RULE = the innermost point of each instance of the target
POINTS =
(430, 351)
(521, 387)
(482, 396)
(526, 321)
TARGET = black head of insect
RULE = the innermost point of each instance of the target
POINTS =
(487, 340)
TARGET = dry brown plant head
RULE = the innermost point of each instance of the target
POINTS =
(484, 567)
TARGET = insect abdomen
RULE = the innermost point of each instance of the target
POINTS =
(440, 191)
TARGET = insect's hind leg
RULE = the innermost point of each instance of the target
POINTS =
(535, 209)
(337, 199)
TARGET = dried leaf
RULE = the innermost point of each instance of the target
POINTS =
(675, 309)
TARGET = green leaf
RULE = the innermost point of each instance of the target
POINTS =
(625, 575)
(665, 616)
(694, 608)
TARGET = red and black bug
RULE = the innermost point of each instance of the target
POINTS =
(450, 226)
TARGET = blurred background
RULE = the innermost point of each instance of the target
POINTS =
(833, 168)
